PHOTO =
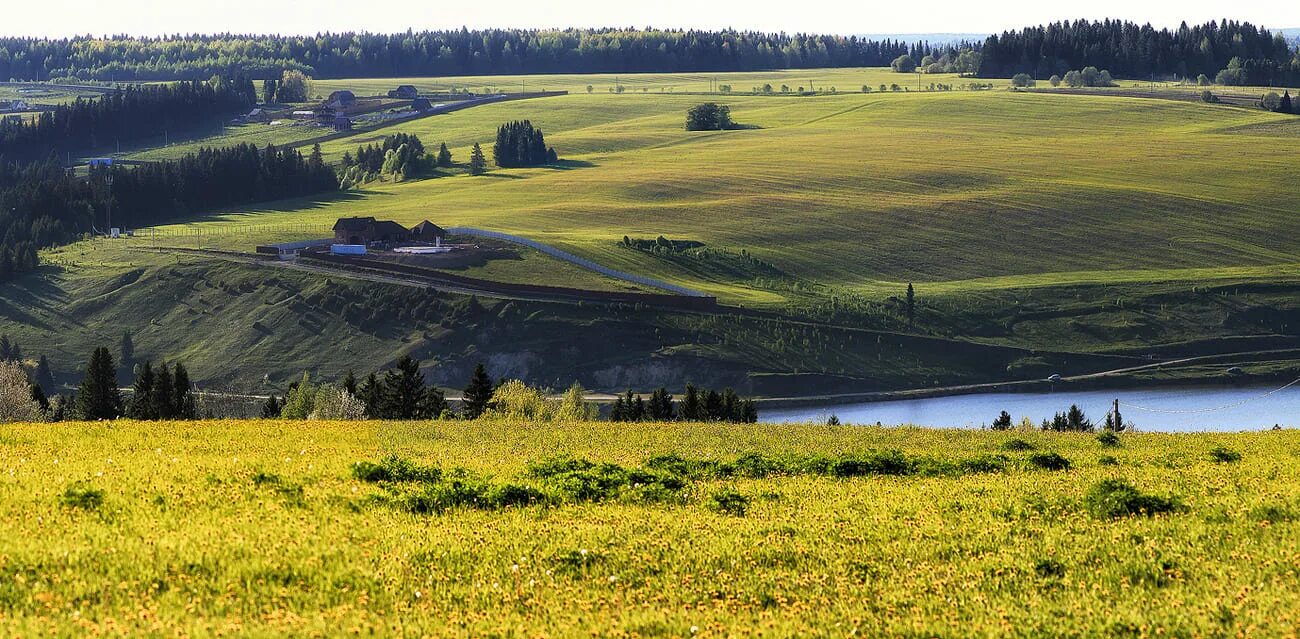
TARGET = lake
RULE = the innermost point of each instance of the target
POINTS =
(1212, 409)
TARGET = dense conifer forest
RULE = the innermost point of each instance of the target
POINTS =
(433, 53)
(1253, 55)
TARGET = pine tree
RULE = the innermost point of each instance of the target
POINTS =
(731, 407)
(182, 397)
(713, 409)
(44, 376)
(371, 394)
(477, 162)
(911, 305)
(749, 412)
(403, 390)
(434, 404)
(141, 405)
(164, 389)
(99, 397)
(271, 409)
(618, 413)
(660, 407)
(127, 350)
(1286, 105)
(477, 394)
(444, 155)
(691, 408)
(38, 396)
(350, 383)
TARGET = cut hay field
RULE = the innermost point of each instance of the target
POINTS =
(866, 192)
(271, 529)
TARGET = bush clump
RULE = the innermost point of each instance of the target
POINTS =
(1108, 439)
(395, 469)
(1049, 461)
(729, 501)
(1115, 498)
(81, 495)
(1017, 445)
(1221, 455)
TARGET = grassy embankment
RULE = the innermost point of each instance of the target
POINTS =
(264, 529)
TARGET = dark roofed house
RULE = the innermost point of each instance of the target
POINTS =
(427, 231)
(342, 123)
(342, 99)
(404, 92)
(421, 104)
(365, 230)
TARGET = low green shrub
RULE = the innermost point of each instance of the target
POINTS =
(1049, 461)
(1221, 455)
(729, 501)
(1017, 445)
(1115, 498)
(395, 469)
(81, 495)
(1108, 439)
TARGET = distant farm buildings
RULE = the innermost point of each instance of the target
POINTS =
(368, 230)
(342, 123)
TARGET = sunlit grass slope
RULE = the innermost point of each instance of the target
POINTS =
(261, 529)
(871, 190)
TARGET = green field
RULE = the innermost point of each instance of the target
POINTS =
(264, 529)
(1093, 224)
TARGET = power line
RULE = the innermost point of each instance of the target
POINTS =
(1214, 409)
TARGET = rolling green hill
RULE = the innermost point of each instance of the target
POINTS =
(1008, 210)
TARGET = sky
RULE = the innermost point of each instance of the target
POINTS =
(55, 18)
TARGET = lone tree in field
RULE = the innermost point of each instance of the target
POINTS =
(478, 394)
(444, 156)
(1286, 105)
(709, 117)
(293, 87)
(477, 161)
(98, 397)
(911, 306)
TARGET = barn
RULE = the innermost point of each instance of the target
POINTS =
(429, 232)
(367, 230)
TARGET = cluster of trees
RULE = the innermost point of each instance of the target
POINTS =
(521, 144)
(162, 393)
(292, 86)
(964, 61)
(694, 406)
(42, 204)
(1073, 420)
(125, 115)
(1088, 77)
(433, 53)
(402, 156)
(214, 178)
(709, 117)
(1252, 55)
(1279, 104)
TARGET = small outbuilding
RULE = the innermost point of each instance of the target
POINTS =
(342, 123)
(421, 105)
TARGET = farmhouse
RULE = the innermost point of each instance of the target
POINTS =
(421, 104)
(404, 92)
(342, 99)
(427, 231)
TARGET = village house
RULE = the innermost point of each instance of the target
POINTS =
(404, 92)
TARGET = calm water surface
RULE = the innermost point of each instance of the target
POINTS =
(1238, 409)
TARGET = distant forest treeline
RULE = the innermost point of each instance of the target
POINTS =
(43, 204)
(125, 115)
(433, 53)
(1130, 50)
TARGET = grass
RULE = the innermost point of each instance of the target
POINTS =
(267, 528)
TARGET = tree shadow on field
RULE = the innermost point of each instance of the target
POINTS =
(502, 176)
(569, 165)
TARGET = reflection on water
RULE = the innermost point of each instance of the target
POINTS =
(1239, 409)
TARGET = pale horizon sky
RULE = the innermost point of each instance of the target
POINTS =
(60, 18)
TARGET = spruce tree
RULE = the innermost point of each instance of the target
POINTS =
(1286, 105)
(660, 407)
(38, 396)
(371, 394)
(713, 409)
(183, 399)
(477, 394)
(141, 405)
(44, 376)
(730, 407)
(618, 413)
(403, 390)
(444, 156)
(434, 404)
(164, 389)
(911, 305)
(271, 409)
(99, 397)
(691, 408)
(127, 350)
(477, 162)
(350, 383)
